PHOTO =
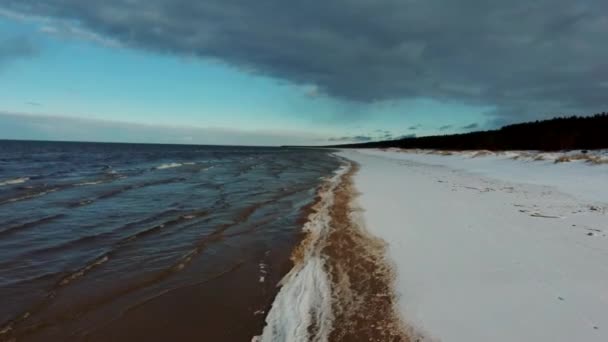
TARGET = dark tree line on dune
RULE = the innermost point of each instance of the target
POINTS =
(563, 133)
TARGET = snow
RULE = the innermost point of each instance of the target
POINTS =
(490, 248)
(577, 178)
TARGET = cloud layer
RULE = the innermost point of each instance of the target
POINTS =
(46, 127)
(15, 48)
(519, 56)
(355, 138)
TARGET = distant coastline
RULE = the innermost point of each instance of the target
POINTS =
(562, 133)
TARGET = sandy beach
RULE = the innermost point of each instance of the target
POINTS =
(491, 247)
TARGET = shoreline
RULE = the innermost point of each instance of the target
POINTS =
(341, 286)
(142, 244)
(489, 249)
(361, 277)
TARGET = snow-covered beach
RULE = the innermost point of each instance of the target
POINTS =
(491, 248)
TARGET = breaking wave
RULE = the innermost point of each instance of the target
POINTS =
(172, 165)
(29, 195)
(14, 181)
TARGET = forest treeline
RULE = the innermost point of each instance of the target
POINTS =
(562, 133)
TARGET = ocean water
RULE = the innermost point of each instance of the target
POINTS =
(128, 242)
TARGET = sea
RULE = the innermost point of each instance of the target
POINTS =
(145, 242)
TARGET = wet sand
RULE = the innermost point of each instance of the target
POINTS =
(341, 286)
(361, 277)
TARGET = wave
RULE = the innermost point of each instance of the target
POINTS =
(7, 328)
(101, 181)
(30, 192)
(173, 165)
(29, 224)
(302, 309)
(96, 301)
(81, 272)
(164, 225)
(107, 176)
(118, 191)
(29, 195)
(109, 235)
(68, 278)
(14, 181)
(90, 183)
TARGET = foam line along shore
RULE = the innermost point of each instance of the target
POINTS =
(340, 288)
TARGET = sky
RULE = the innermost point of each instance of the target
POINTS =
(273, 72)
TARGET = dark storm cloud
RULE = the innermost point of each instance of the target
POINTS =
(415, 127)
(471, 126)
(518, 56)
(445, 128)
(15, 48)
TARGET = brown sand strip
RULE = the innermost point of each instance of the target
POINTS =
(361, 279)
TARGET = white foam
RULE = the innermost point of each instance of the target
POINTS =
(14, 181)
(90, 183)
(305, 297)
(173, 165)
(168, 166)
